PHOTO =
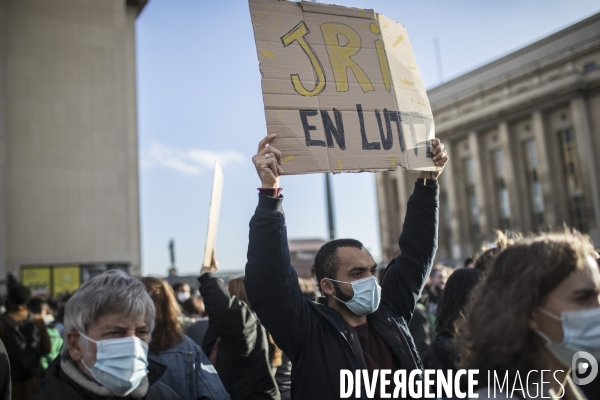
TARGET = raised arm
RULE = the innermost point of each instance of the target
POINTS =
(271, 282)
(406, 275)
(230, 318)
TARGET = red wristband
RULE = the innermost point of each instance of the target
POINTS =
(271, 192)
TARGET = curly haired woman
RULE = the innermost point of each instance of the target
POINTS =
(537, 307)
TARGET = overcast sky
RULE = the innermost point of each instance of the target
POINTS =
(199, 100)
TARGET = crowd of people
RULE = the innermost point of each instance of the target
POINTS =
(524, 304)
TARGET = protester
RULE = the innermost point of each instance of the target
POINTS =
(420, 325)
(41, 309)
(4, 374)
(193, 307)
(348, 328)
(238, 344)
(59, 317)
(189, 372)
(537, 307)
(182, 291)
(26, 341)
(108, 324)
(483, 260)
(307, 288)
(441, 353)
(437, 281)
(197, 331)
(469, 262)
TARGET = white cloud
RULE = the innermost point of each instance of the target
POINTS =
(188, 161)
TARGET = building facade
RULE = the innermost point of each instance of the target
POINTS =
(68, 136)
(523, 134)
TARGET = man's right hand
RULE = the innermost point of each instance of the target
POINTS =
(268, 163)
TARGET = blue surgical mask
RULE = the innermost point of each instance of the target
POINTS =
(367, 294)
(121, 364)
(581, 332)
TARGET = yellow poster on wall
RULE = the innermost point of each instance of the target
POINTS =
(66, 279)
(37, 279)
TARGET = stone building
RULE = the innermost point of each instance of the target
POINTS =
(68, 135)
(523, 134)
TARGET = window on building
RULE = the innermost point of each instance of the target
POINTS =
(501, 190)
(590, 66)
(570, 158)
(536, 199)
(472, 201)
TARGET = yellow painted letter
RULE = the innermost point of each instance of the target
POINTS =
(298, 34)
(339, 55)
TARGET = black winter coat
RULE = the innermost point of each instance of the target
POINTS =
(243, 361)
(60, 387)
(315, 337)
(441, 354)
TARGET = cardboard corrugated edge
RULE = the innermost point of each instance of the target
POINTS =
(213, 215)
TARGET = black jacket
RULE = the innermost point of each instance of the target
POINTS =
(60, 387)
(441, 354)
(242, 361)
(314, 336)
(4, 374)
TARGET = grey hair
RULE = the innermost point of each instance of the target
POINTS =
(112, 292)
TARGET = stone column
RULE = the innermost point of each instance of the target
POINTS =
(403, 195)
(447, 183)
(475, 152)
(585, 148)
(382, 179)
(510, 180)
(545, 168)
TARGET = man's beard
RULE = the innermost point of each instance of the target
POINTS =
(337, 292)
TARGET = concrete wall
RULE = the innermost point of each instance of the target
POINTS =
(3, 35)
(71, 188)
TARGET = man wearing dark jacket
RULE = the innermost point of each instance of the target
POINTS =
(236, 342)
(358, 324)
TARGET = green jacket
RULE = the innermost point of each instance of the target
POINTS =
(56, 343)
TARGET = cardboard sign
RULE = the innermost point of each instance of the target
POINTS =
(341, 89)
(213, 215)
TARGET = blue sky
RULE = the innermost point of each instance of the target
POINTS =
(199, 100)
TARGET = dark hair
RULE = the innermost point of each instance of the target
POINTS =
(495, 333)
(53, 304)
(36, 305)
(179, 285)
(467, 261)
(18, 295)
(455, 297)
(327, 261)
(192, 306)
(167, 329)
(60, 316)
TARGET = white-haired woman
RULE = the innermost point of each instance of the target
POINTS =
(108, 323)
